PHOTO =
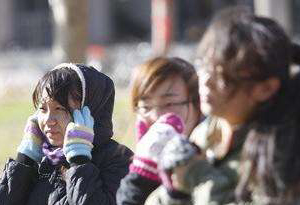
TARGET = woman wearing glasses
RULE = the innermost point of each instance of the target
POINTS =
(252, 102)
(161, 85)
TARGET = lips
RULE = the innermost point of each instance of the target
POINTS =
(51, 133)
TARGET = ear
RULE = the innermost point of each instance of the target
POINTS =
(262, 91)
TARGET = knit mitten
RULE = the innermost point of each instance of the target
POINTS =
(79, 135)
(141, 127)
(31, 144)
(149, 148)
(178, 152)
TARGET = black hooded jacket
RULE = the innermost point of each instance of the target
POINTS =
(92, 182)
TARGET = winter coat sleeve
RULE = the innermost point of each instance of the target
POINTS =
(97, 181)
(135, 189)
(17, 182)
(210, 184)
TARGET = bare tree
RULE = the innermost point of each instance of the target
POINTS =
(70, 29)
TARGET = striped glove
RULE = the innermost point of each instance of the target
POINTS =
(149, 148)
(79, 135)
(31, 144)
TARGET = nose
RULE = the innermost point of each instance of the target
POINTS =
(155, 113)
(50, 119)
(206, 80)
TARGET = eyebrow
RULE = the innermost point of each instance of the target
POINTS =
(169, 94)
(164, 95)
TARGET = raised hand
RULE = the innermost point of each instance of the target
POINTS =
(79, 135)
(31, 144)
(149, 148)
(141, 127)
(176, 158)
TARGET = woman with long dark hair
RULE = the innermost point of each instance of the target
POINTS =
(245, 92)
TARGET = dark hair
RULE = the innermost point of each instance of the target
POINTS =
(252, 49)
(271, 154)
(271, 165)
(152, 73)
(248, 47)
(59, 85)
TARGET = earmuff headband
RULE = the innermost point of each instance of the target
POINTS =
(80, 75)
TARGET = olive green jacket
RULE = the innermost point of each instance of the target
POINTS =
(212, 181)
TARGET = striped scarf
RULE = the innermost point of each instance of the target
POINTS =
(54, 154)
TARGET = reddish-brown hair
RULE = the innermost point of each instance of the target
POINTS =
(149, 75)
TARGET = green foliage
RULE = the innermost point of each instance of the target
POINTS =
(123, 119)
(13, 117)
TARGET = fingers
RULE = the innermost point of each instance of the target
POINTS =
(32, 125)
(178, 151)
(33, 118)
(141, 128)
(174, 120)
(78, 118)
(83, 117)
(89, 120)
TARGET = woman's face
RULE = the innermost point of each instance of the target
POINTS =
(218, 99)
(170, 96)
(53, 119)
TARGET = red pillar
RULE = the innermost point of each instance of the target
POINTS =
(161, 26)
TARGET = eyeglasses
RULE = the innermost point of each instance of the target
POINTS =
(167, 107)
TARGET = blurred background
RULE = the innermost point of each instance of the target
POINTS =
(112, 35)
